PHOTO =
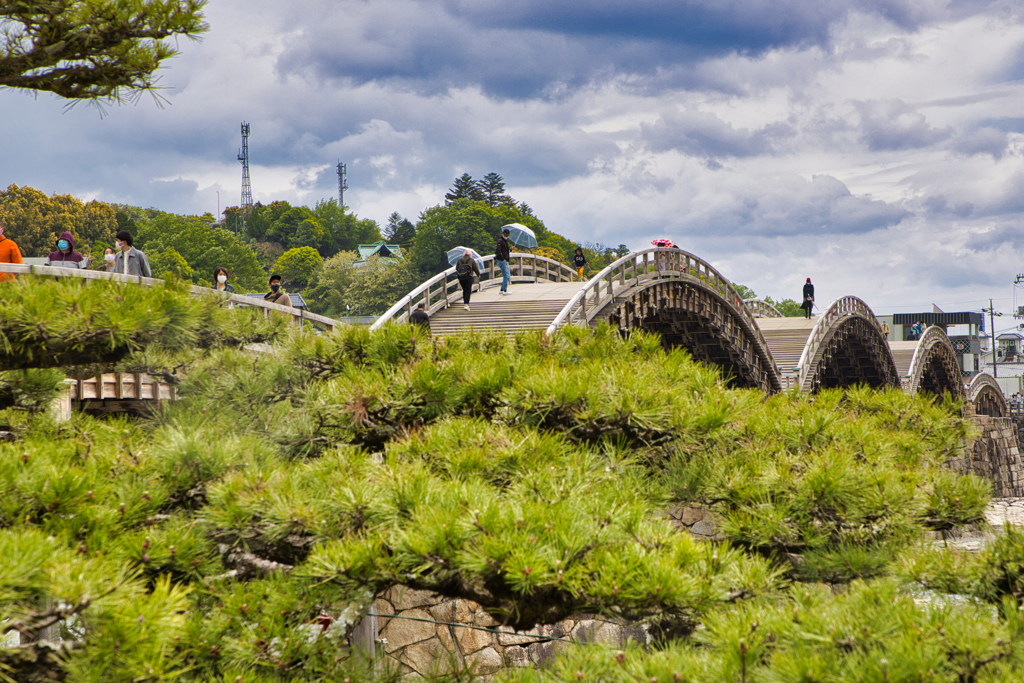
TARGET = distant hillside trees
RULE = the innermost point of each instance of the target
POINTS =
(327, 227)
(35, 221)
(191, 249)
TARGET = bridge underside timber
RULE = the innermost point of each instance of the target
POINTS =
(692, 317)
(853, 353)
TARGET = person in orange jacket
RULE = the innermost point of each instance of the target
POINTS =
(9, 253)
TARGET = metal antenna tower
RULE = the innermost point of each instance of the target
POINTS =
(243, 157)
(342, 183)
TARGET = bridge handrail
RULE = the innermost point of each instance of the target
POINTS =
(840, 308)
(627, 272)
(404, 306)
(238, 299)
(760, 307)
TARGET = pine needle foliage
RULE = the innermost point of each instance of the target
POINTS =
(833, 486)
(535, 475)
(52, 323)
(871, 632)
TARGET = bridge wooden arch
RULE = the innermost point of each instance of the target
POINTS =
(847, 346)
(934, 367)
(688, 302)
(985, 394)
(762, 309)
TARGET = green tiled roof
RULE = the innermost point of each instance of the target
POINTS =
(382, 249)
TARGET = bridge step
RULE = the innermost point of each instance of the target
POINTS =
(509, 315)
(786, 338)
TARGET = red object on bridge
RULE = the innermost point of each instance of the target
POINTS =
(663, 242)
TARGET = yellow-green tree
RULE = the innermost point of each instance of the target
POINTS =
(35, 221)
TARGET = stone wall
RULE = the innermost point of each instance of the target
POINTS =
(424, 647)
(995, 455)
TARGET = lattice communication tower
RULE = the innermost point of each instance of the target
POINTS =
(342, 183)
(243, 157)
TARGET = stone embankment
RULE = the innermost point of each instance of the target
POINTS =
(469, 639)
(1000, 513)
(994, 453)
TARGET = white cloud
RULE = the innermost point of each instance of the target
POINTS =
(873, 145)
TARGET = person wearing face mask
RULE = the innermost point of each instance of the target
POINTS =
(65, 256)
(9, 253)
(107, 265)
(276, 295)
(220, 280)
(129, 260)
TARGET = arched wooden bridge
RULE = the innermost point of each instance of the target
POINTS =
(688, 302)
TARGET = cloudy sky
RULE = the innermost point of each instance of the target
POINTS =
(875, 146)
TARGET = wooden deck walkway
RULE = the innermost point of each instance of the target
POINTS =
(786, 339)
(527, 306)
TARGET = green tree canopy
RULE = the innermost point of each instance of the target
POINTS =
(347, 231)
(787, 307)
(378, 283)
(168, 263)
(92, 49)
(326, 292)
(202, 248)
(298, 266)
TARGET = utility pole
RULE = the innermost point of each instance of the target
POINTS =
(992, 334)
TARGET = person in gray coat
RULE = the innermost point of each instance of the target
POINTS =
(129, 260)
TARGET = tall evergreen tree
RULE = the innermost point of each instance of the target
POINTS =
(399, 230)
(493, 189)
(464, 188)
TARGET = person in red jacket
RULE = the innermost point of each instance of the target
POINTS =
(9, 253)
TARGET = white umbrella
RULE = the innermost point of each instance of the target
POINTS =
(520, 235)
(456, 253)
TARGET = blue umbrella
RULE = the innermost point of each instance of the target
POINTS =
(456, 253)
(520, 235)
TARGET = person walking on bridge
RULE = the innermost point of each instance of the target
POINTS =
(580, 262)
(420, 318)
(9, 253)
(502, 255)
(220, 281)
(808, 303)
(129, 260)
(65, 255)
(276, 295)
(465, 270)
